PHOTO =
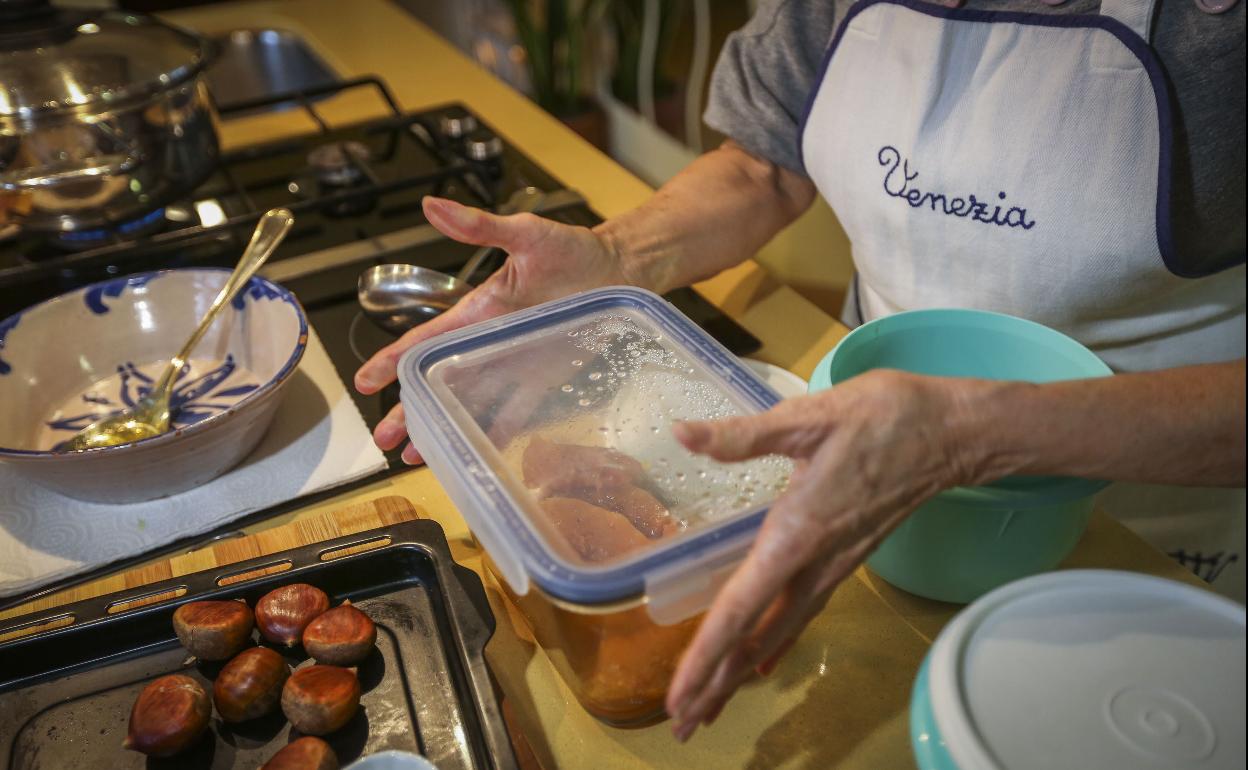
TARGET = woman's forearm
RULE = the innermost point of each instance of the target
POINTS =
(714, 214)
(1177, 426)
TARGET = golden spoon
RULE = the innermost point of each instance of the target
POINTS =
(150, 416)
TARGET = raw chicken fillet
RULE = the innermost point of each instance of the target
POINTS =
(554, 469)
(593, 497)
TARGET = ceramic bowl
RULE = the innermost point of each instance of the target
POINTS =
(96, 350)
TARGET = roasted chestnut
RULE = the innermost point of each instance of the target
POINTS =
(283, 613)
(250, 685)
(306, 753)
(320, 699)
(341, 636)
(213, 630)
(169, 715)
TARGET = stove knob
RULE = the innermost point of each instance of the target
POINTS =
(481, 146)
(455, 123)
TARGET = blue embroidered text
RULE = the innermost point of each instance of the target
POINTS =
(899, 187)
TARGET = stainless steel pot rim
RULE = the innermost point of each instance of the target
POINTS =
(90, 101)
(95, 218)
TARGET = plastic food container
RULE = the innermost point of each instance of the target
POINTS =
(967, 541)
(550, 429)
(1085, 668)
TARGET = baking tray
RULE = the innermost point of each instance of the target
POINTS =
(66, 692)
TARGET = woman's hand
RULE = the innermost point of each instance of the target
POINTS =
(547, 260)
(717, 212)
(868, 452)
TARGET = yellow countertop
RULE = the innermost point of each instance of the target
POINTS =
(839, 699)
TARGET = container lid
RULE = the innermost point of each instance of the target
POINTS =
(1092, 668)
(73, 60)
(551, 429)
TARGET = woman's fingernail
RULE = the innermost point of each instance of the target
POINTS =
(364, 381)
(411, 456)
(683, 731)
(461, 216)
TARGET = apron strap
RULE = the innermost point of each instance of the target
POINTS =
(1137, 15)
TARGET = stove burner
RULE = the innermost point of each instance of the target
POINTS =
(366, 337)
(85, 239)
(339, 164)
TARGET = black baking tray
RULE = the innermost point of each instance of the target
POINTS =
(66, 693)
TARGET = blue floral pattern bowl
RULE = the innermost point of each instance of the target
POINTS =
(97, 350)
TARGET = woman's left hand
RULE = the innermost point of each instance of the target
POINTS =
(868, 452)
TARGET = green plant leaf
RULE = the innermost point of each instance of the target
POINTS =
(553, 34)
(531, 38)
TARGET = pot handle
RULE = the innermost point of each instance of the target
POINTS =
(54, 174)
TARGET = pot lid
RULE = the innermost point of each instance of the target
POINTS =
(79, 60)
(1092, 668)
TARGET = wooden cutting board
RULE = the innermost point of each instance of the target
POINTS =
(345, 521)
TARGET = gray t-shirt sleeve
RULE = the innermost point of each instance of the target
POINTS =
(765, 73)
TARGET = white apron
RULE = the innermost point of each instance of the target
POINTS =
(1020, 163)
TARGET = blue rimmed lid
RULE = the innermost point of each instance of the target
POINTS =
(611, 367)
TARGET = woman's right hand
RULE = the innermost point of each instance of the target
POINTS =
(546, 260)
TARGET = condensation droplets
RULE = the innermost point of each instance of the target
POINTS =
(626, 386)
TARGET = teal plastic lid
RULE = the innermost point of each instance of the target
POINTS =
(1092, 669)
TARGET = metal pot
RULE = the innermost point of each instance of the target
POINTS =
(104, 116)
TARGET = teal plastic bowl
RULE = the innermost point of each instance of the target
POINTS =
(967, 541)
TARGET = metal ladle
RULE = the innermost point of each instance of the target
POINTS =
(150, 415)
(397, 297)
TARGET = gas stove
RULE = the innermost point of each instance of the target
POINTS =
(356, 194)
